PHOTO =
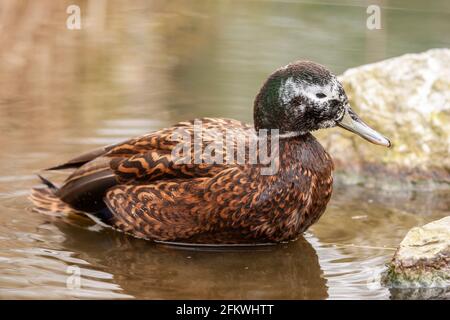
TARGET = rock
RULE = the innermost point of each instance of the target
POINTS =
(423, 258)
(406, 98)
(419, 293)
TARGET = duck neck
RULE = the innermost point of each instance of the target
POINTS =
(293, 148)
(302, 151)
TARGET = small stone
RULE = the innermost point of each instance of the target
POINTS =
(423, 258)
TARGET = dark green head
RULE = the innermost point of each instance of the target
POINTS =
(305, 96)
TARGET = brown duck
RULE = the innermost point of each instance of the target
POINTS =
(171, 185)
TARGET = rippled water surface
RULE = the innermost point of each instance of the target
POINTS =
(137, 66)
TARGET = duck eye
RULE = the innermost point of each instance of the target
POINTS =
(320, 95)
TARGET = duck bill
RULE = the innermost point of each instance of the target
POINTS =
(353, 123)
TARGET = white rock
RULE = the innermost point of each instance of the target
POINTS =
(407, 99)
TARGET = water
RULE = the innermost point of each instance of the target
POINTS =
(138, 66)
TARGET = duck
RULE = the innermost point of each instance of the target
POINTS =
(174, 186)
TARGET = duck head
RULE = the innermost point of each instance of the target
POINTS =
(305, 96)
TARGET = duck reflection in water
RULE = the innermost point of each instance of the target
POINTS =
(155, 271)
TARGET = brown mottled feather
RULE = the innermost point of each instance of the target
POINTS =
(46, 201)
(151, 196)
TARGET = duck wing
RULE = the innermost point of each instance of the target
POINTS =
(80, 160)
(144, 159)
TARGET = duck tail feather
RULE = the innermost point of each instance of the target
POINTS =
(48, 183)
(45, 201)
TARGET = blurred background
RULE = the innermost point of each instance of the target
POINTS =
(136, 66)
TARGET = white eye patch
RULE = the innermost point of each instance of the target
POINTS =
(292, 88)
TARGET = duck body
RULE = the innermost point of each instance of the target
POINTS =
(141, 187)
(137, 188)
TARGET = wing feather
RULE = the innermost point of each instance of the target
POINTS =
(144, 159)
